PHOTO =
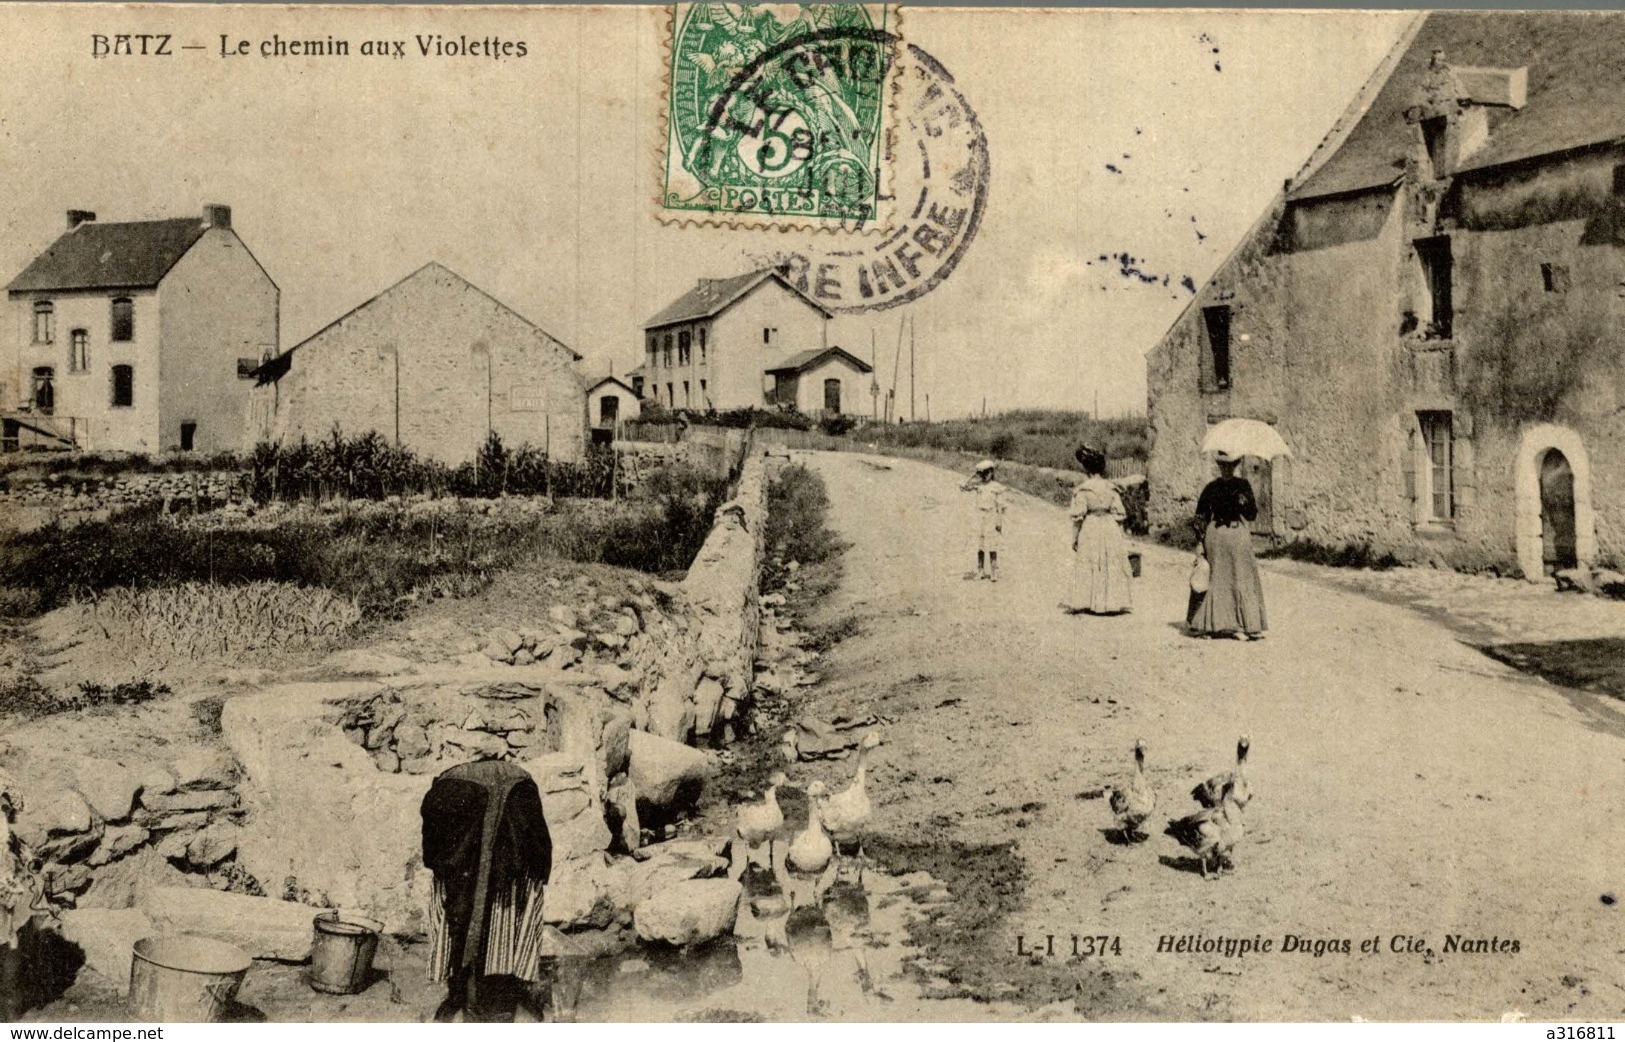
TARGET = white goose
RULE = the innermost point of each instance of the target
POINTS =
(847, 812)
(759, 823)
(810, 852)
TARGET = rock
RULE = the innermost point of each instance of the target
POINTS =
(523, 657)
(771, 600)
(421, 765)
(1609, 582)
(621, 815)
(572, 804)
(387, 760)
(570, 637)
(474, 721)
(690, 912)
(212, 846)
(203, 769)
(668, 775)
(473, 660)
(626, 625)
(497, 653)
(107, 936)
(475, 745)
(564, 656)
(176, 822)
(617, 680)
(55, 812)
(263, 927)
(707, 701)
(365, 662)
(67, 879)
(157, 780)
(578, 895)
(110, 788)
(506, 639)
(117, 841)
(1575, 579)
(411, 741)
(614, 744)
(200, 799)
(562, 614)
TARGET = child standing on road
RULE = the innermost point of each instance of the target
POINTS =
(990, 520)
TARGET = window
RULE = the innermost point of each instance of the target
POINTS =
(1216, 367)
(832, 396)
(705, 399)
(770, 334)
(1435, 133)
(44, 390)
(702, 348)
(666, 354)
(188, 435)
(609, 410)
(44, 322)
(78, 351)
(686, 402)
(1619, 179)
(684, 347)
(1434, 257)
(246, 367)
(671, 396)
(1438, 473)
(123, 319)
(123, 386)
(1554, 278)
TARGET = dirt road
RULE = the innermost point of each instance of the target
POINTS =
(1406, 787)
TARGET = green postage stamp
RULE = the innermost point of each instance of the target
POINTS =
(776, 113)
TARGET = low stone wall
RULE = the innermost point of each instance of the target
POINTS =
(695, 679)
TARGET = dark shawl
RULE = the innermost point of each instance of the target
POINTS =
(482, 830)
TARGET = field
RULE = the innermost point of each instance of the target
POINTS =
(1038, 437)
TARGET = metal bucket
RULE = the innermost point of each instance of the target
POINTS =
(341, 957)
(1134, 563)
(185, 980)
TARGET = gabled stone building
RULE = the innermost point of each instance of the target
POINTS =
(1430, 313)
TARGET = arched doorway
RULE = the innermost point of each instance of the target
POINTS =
(1553, 518)
(1557, 512)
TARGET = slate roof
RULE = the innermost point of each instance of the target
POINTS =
(711, 297)
(802, 361)
(1576, 63)
(601, 381)
(127, 255)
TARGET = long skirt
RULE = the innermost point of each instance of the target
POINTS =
(1235, 596)
(1102, 579)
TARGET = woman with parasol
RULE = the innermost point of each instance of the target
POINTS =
(1233, 604)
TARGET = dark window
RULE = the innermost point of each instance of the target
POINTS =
(686, 402)
(684, 348)
(1216, 323)
(246, 367)
(1619, 179)
(1434, 133)
(769, 333)
(44, 322)
(78, 351)
(123, 318)
(123, 385)
(1439, 499)
(705, 399)
(1554, 278)
(609, 410)
(666, 350)
(832, 395)
(188, 435)
(671, 396)
(1434, 256)
(702, 346)
(44, 394)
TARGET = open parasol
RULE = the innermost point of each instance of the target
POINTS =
(1238, 437)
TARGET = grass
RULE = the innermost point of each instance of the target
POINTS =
(1037, 437)
(25, 698)
(1343, 555)
(797, 524)
(200, 621)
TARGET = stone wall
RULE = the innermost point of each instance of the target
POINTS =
(695, 677)
(60, 496)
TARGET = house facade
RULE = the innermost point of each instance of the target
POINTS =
(611, 401)
(434, 364)
(713, 347)
(137, 336)
(1429, 312)
(831, 382)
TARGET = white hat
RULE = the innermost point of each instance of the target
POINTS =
(986, 464)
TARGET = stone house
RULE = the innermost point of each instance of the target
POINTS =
(136, 336)
(830, 382)
(611, 401)
(717, 345)
(1428, 312)
(433, 363)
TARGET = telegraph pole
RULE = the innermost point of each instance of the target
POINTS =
(874, 378)
(911, 369)
(892, 411)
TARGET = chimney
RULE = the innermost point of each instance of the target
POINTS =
(78, 217)
(217, 216)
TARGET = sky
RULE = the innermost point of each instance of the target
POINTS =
(1153, 139)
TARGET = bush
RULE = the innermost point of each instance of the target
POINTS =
(797, 528)
(1346, 555)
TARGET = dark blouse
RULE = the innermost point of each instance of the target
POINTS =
(1226, 501)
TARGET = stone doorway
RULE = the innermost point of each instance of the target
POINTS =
(1554, 521)
(1557, 512)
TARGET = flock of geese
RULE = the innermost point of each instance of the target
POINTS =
(834, 821)
(1210, 833)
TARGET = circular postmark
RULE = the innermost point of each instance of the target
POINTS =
(939, 167)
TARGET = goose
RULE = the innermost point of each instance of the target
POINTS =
(1211, 832)
(810, 852)
(1133, 804)
(1208, 793)
(847, 812)
(759, 823)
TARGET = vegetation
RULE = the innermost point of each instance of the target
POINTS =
(1039, 437)
(111, 464)
(797, 524)
(198, 621)
(1349, 555)
(25, 698)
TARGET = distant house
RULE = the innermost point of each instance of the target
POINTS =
(611, 401)
(634, 379)
(433, 363)
(137, 336)
(820, 383)
(1429, 312)
(721, 344)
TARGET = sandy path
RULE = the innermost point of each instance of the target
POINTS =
(1404, 784)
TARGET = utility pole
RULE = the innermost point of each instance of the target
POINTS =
(874, 378)
(891, 396)
(1097, 404)
(911, 369)
(928, 407)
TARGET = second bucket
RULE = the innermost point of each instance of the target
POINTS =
(341, 957)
